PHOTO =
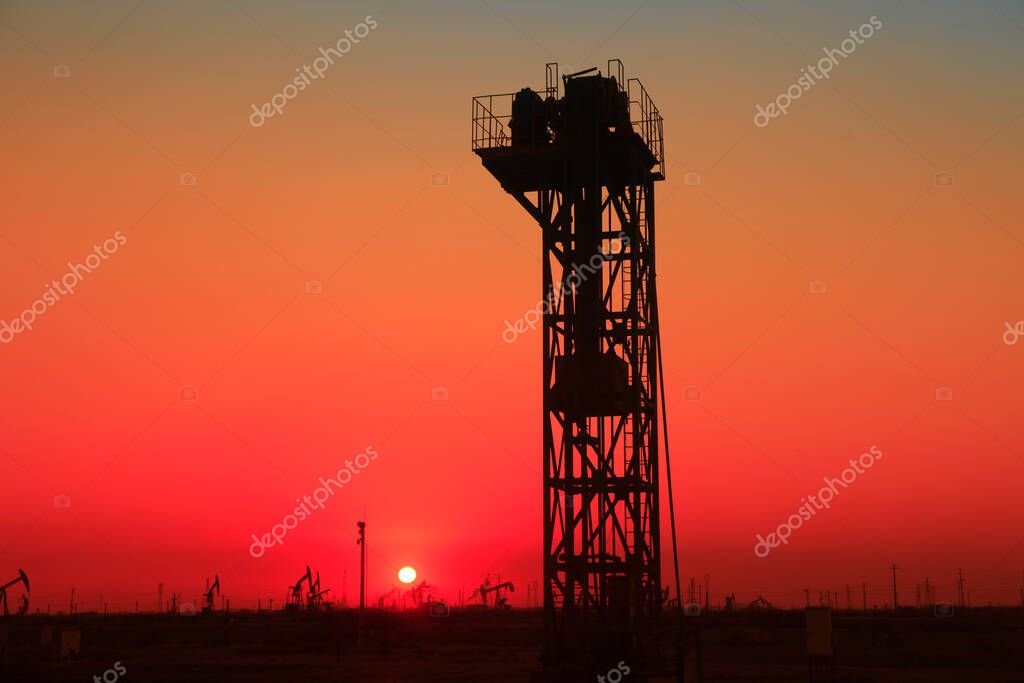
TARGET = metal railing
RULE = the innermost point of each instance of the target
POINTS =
(647, 121)
(491, 116)
(618, 71)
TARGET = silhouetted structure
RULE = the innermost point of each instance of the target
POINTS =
(583, 164)
(296, 596)
(316, 598)
(500, 601)
(895, 602)
(361, 541)
(22, 579)
(210, 589)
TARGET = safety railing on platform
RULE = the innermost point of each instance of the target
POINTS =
(647, 122)
(491, 116)
(617, 71)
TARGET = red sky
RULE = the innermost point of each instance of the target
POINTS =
(209, 291)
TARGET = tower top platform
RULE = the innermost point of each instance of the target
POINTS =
(553, 137)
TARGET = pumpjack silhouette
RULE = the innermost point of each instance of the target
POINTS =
(23, 607)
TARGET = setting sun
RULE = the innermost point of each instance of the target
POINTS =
(406, 574)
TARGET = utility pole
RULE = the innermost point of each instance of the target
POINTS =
(362, 581)
(849, 604)
(362, 565)
(960, 586)
(707, 592)
(895, 605)
(864, 594)
(807, 596)
(928, 592)
(917, 587)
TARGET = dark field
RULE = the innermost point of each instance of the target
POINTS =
(977, 646)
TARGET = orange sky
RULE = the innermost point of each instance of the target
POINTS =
(209, 291)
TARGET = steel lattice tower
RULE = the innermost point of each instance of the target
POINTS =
(583, 164)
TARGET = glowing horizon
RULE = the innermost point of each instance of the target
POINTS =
(337, 279)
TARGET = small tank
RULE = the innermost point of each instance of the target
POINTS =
(528, 123)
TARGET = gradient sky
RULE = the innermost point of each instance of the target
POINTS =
(209, 292)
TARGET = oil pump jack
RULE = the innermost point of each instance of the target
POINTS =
(22, 578)
(315, 598)
(485, 589)
(296, 597)
(500, 601)
(208, 607)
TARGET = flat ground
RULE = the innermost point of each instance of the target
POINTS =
(979, 646)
